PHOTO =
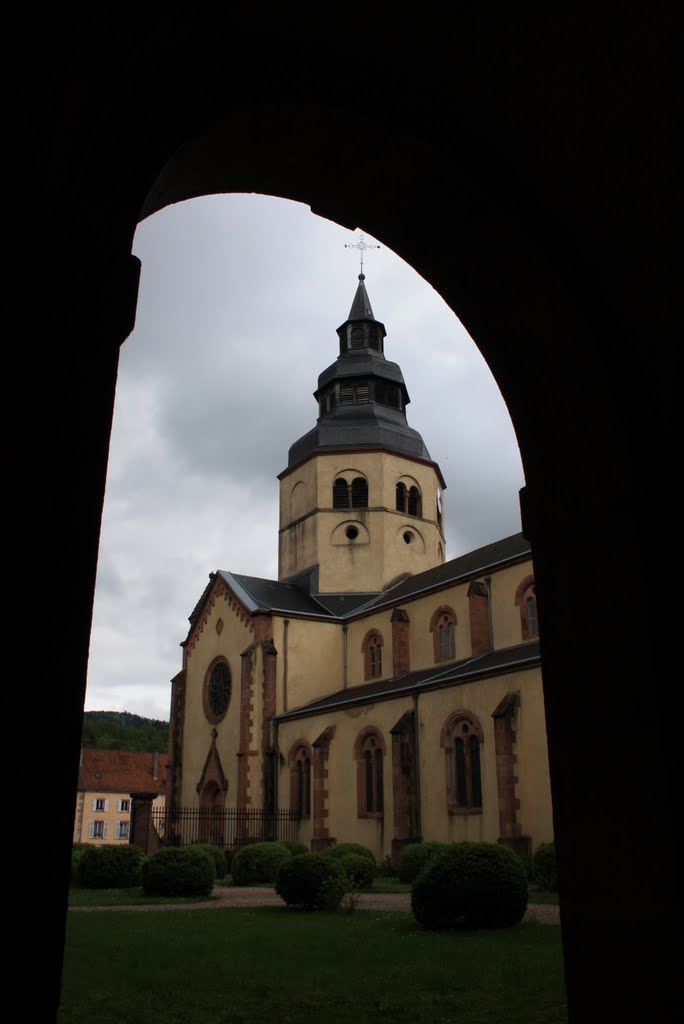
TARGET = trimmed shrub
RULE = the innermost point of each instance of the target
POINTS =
(77, 851)
(110, 867)
(312, 881)
(359, 870)
(414, 857)
(179, 871)
(217, 855)
(342, 849)
(471, 885)
(258, 862)
(294, 847)
(544, 872)
(386, 868)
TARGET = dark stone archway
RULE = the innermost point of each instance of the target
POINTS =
(523, 167)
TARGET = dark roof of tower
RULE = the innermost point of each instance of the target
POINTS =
(362, 396)
(361, 308)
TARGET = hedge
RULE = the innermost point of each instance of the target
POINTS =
(258, 862)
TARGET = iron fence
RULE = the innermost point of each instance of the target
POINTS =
(228, 827)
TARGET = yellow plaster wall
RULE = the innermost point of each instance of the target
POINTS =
(379, 554)
(507, 627)
(434, 708)
(235, 637)
(85, 814)
(315, 657)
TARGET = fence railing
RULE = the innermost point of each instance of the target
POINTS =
(229, 827)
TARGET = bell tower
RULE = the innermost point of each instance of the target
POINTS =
(361, 499)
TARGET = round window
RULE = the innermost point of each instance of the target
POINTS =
(352, 533)
(408, 537)
(217, 689)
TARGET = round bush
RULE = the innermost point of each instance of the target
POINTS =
(360, 871)
(472, 885)
(413, 859)
(312, 881)
(179, 871)
(294, 847)
(342, 849)
(217, 855)
(258, 862)
(544, 871)
(110, 867)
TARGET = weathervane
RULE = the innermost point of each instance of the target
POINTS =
(361, 245)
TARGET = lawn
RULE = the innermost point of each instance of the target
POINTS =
(132, 897)
(238, 966)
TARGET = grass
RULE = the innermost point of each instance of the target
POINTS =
(240, 966)
(135, 896)
(123, 898)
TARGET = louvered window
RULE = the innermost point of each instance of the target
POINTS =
(362, 394)
(358, 336)
(346, 396)
(359, 493)
(340, 493)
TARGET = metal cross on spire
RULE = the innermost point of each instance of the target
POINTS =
(361, 245)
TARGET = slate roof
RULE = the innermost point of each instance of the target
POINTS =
(121, 771)
(499, 662)
(473, 563)
(259, 594)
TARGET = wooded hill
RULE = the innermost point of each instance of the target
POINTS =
(122, 730)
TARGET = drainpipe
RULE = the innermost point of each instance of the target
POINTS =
(276, 759)
(419, 824)
(286, 623)
(344, 670)
(490, 622)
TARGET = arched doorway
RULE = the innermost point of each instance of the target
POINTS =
(522, 196)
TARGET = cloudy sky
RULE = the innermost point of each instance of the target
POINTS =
(239, 300)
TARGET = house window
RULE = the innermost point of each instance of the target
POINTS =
(299, 762)
(462, 739)
(372, 654)
(123, 806)
(97, 830)
(122, 830)
(369, 752)
(526, 600)
(100, 804)
(354, 495)
(443, 629)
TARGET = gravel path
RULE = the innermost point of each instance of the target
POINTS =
(246, 896)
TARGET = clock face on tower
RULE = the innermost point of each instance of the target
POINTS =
(217, 690)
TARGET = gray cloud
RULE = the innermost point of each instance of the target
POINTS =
(240, 297)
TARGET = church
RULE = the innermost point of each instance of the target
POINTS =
(374, 692)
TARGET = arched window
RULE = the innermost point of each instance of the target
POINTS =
(299, 762)
(372, 654)
(409, 500)
(340, 493)
(369, 753)
(462, 739)
(443, 629)
(526, 599)
(359, 493)
(354, 495)
(414, 502)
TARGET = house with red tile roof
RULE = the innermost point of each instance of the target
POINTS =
(107, 780)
